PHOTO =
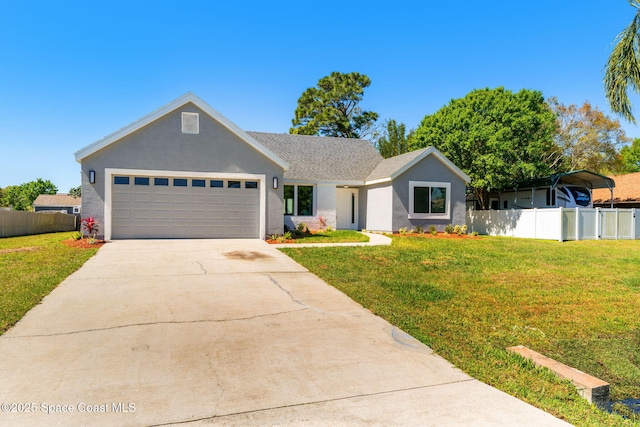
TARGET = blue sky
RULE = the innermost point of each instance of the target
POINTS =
(72, 72)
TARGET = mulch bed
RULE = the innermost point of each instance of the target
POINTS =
(439, 236)
(273, 242)
(84, 243)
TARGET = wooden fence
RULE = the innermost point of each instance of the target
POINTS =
(21, 223)
(557, 224)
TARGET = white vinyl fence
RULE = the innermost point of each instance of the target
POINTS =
(21, 223)
(557, 224)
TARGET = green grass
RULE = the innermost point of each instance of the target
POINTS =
(469, 299)
(335, 236)
(30, 267)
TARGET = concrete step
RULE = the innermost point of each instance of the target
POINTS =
(591, 388)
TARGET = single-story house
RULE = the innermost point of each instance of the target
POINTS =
(186, 171)
(58, 203)
(625, 195)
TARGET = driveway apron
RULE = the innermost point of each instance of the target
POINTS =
(226, 332)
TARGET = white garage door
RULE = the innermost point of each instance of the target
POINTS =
(188, 208)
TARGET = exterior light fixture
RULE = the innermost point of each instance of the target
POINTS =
(92, 176)
(275, 182)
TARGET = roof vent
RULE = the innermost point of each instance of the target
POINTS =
(190, 123)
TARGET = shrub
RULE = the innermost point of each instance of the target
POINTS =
(403, 231)
(433, 230)
(90, 226)
(329, 229)
(419, 229)
(323, 221)
(456, 229)
(448, 228)
(474, 234)
(463, 229)
(282, 239)
(302, 228)
(76, 235)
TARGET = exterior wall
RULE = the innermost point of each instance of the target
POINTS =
(378, 212)
(324, 205)
(67, 209)
(162, 146)
(429, 169)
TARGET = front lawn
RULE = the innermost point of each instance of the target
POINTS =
(320, 236)
(335, 236)
(30, 267)
(469, 299)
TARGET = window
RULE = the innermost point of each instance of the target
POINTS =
(234, 184)
(251, 184)
(298, 200)
(289, 199)
(76, 209)
(198, 183)
(551, 197)
(161, 181)
(190, 123)
(139, 180)
(429, 200)
(216, 183)
(179, 182)
(121, 180)
(305, 200)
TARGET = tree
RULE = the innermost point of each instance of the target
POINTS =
(588, 138)
(394, 140)
(630, 157)
(76, 192)
(622, 71)
(497, 137)
(21, 197)
(332, 108)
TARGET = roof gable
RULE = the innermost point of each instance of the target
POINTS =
(170, 107)
(391, 168)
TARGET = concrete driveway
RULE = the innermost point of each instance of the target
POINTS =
(226, 332)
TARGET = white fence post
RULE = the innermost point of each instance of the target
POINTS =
(561, 239)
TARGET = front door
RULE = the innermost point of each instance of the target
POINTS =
(347, 208)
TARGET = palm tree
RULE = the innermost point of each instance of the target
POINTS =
(623, 69)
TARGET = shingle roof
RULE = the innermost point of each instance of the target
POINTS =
(388, 167)
(322, 158)
(59, 199)
(627, 189)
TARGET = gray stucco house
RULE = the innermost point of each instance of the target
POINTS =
(186, 171)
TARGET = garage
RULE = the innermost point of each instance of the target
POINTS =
(192, 207)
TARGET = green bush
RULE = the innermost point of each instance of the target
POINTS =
(449, 228)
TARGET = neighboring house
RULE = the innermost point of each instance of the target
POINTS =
(58, 203)
(626, 194)
(186, 171)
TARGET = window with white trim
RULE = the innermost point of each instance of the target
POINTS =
(298, 200)
(429, 200)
